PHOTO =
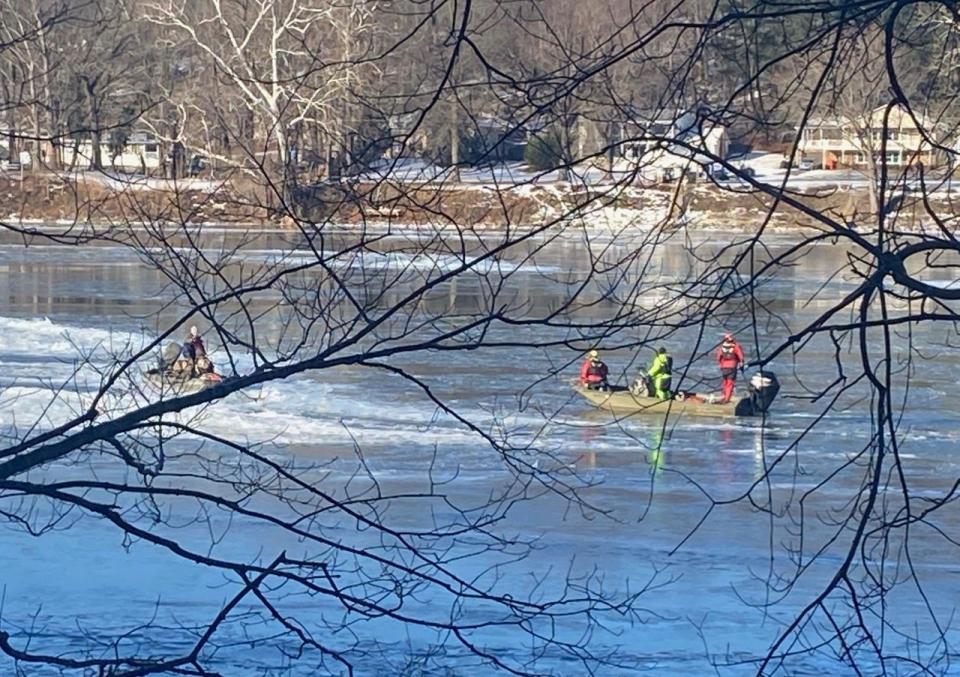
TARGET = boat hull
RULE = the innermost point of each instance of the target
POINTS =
(169, 383)
(625, 403)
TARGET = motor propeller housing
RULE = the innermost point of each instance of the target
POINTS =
(762, 390)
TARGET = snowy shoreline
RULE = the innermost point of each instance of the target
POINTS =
(50, 205)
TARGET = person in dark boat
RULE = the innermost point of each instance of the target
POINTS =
(593, 372)
(193, 346)
(203, 365)
(185, 368)
(195, 352)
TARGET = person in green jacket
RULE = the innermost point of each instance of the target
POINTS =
(660, 373)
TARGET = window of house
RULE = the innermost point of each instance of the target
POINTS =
(893, 157)
(878, 134)
(832, 133)
(151, 148)
(861, 159)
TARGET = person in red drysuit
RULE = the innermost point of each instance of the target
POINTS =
(730, 358)
(593, 372)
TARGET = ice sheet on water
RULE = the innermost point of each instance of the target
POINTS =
(305, 411)
(51, 370)
(39, 356)
(392, 261)
(44, 339)
(43, 407)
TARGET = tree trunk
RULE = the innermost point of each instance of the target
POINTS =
(96, 162)
(566, 144)
(38, 151)
(53, 159)
(611, 154)
(13, 149)
(454, 145)
(57, 142)
(74, 155)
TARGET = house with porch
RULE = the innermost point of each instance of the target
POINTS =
(834, 142)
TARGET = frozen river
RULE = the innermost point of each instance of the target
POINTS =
(718, 595)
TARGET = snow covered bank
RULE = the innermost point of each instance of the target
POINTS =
(506, 200)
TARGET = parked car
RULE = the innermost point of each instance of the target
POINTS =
(805, 165)
(717, 171)
(197, 164)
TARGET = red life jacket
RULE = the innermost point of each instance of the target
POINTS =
(593, 371)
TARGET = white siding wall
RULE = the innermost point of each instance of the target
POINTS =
(133, 157)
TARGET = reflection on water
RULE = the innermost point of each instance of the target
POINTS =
(35, 280)
(656, 456)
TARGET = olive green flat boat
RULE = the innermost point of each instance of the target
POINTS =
(761, 392)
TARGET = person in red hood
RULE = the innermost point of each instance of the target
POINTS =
(593, 372)
(730, 358)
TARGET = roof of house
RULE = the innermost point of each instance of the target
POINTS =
(140, 138)
(817, 121)
(899, 118)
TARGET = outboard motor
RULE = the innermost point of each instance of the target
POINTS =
(761, 392)
(642, 386)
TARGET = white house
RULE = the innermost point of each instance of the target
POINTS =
(141, 152)
(673, 143)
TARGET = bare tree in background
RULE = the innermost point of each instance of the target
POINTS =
(271, 75)
(29, 65)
